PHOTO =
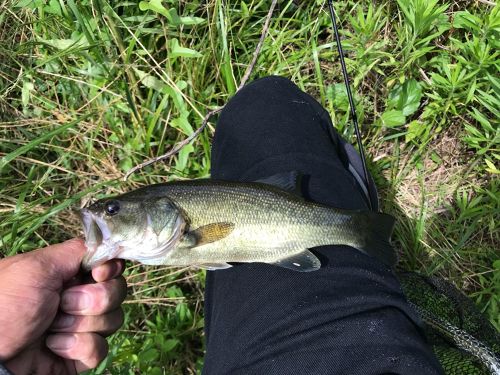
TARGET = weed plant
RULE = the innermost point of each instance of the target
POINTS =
(90, 88)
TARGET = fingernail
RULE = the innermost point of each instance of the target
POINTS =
(60, 342)
(75, 301)
(63, 321)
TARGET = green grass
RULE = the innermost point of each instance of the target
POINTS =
(90, 88)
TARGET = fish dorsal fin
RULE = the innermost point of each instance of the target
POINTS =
(214, 266)
(289, 181)
(302, 262)
(209, 233)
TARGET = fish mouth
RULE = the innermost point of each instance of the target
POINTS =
(101, 248)
(97, 234)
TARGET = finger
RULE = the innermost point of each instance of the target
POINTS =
(108, 270)
(86, 349)
(94, 299)
(61, 261)
(105, 324)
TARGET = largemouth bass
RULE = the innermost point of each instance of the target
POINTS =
(208, 223)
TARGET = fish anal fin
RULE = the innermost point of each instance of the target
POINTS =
(211, 233)
(302, 262)
(214, 266)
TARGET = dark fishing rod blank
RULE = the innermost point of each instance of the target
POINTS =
(354, 117)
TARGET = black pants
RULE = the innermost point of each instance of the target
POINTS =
(349, 317)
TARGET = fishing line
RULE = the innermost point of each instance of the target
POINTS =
(354, 117)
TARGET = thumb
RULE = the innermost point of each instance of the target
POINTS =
(62, 260)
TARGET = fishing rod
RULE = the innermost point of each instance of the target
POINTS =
(354, 117)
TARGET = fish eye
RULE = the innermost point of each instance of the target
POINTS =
(112, 207)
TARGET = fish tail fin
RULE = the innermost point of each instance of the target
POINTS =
(376, 240)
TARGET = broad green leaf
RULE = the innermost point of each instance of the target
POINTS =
(158, 85)
(183, 157)
(26, 92)
(338, 95)
(125, 164)
(174, 17)
(181, 85)
(63, 44)
(177, 51)
(244, 10)
(143, 18)
(415, 130)
(151, 82)
(188, 20)
(149, 355)
(176, 20)
(183, 124)
(155, 371)
(155, 6)
(171, 14)
(53, 8)
(178, 100)
(169, 344)
(392, 118)
(405, 97)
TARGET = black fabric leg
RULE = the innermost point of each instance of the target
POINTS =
(349, 317)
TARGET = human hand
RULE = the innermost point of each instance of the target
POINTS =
(50, 322)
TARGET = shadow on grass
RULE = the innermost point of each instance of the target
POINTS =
(456, 242)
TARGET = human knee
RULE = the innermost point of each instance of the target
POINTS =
(271, 84)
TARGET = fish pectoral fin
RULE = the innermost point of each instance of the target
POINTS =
(209, 233)
(302, 262)
(289, 181)
(214, 266)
